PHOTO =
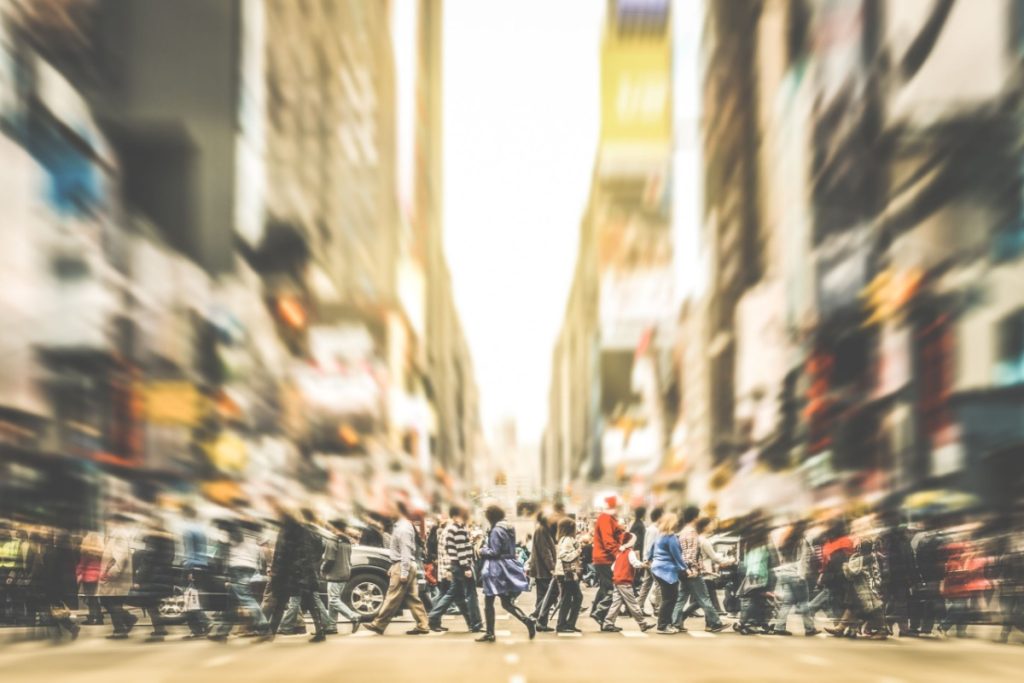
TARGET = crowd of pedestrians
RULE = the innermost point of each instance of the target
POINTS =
(874, 577)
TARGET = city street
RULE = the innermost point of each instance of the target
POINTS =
(626, 656)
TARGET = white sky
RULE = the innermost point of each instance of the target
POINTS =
(521, 88)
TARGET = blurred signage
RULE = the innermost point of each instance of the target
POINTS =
(842, 262)
(636, 90)
(170, 403)
(818, 470)
(893, 360)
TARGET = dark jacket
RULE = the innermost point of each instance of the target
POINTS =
(59, 565)
(296, 559)
(640, 531)
(154, 566)
(542, 557)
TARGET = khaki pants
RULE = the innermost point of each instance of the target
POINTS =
(401, 593)
(624, 597)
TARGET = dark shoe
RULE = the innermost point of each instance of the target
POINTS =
(780, 632)
(541, 628)
(318, 638)
(331, 632)
(721, 627)
(811, 633)
(155, 638)
(836, 632)
(75, 630)
(565, 630)
(644, 628)
(417, 631)
(438, 629)
(355, 626)
(374, 629)
(263, 638)
(531, 628)
(608, 628)
(132, 619)
(218, 639)
(117, 636)
(486, 638)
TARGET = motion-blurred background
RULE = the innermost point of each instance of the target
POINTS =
(798, 279)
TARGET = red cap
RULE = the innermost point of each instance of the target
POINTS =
(612, 502)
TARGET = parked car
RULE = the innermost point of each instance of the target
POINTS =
(364, 591)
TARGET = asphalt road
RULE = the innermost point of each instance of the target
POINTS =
(611, 657)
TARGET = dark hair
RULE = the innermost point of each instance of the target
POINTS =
(455, 511)
(542, 519)
(640, 512)
(702, 524)
(494, 514)
(656, 514)
(691, 513)
(566, 527)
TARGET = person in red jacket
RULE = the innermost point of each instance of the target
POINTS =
(623, 573)
(607, 539)
(87, 573)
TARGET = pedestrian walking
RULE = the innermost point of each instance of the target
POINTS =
(241, 563)
(623, 573)
(692, 586)
(504, 578)
(667, 565)
(60, 586)
(462, 583)
(116, 571)
(649, 587)
(899, 575)
(87, 574)
(337, 570)
(568, 572)
(1009, 572)
(542, 565)
(607, 539)
(403, 589)
(866, 607)
(793, 561)
(755, 590)
(196, 565)
(965, 581)
(639, 531)
(294, 573)
(154, 575)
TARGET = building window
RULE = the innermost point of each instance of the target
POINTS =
(1010, 338)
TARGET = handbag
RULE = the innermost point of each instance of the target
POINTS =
(190, 600)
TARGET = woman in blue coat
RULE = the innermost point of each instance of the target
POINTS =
(503, 575)
(666, 566)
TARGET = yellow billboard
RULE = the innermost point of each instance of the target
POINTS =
(636, 90)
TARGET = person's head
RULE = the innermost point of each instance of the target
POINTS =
(656, 514)
(866, 547)
(566, 527)
(702, 524)
(640, 513)
(668, 524)
(690, 514)
(542, 518)
(457, 514)
(560, 508)
(494, 514)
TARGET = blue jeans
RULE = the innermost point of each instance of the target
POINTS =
(696, 589)
(335, 605)
(241, 601)
(291, 615)
(463, 594)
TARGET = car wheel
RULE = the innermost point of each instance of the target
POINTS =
(365, 594)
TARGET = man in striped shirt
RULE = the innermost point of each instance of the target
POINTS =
(459, 555)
